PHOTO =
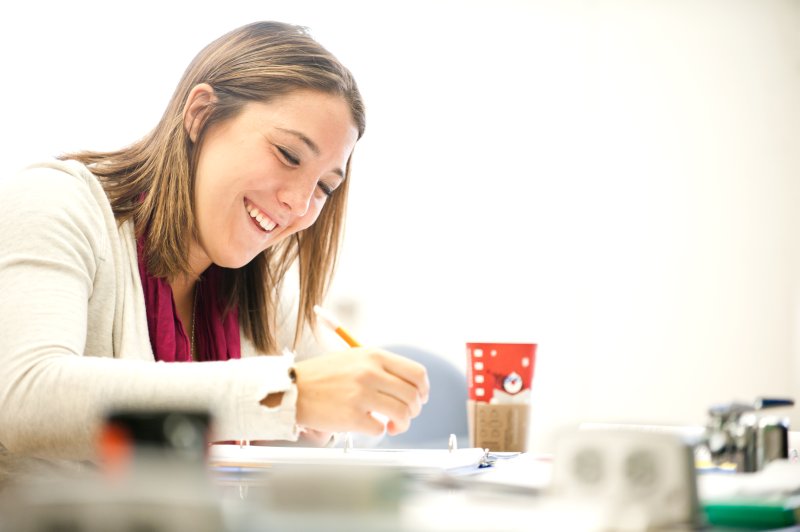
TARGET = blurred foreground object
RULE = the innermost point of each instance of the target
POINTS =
(152, 477)
(629, 479)
(330, 497)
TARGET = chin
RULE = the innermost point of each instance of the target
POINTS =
(234, 262)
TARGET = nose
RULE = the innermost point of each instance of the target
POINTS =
(295, 195)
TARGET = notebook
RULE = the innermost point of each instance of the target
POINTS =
(412, 460)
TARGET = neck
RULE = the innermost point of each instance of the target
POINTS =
(198, 260)
(183, 288)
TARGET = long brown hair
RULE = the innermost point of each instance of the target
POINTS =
(152, 181)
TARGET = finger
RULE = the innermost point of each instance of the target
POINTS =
(401, 390)
(366, 424)
(410, 371)
(375, 377)
(393, 429)
(396, 411)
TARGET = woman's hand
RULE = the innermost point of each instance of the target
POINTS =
(338, 392)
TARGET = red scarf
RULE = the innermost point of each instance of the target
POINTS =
(216, 333)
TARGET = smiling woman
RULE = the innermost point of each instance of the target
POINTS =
(254, 168)
(174, 249)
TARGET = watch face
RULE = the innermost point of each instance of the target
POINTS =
(512, 383)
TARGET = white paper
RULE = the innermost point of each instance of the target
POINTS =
(428, 460)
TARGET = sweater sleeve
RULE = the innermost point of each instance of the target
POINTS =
(53, 239)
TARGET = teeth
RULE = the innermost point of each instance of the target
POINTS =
(262, 219)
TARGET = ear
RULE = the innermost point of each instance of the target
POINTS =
(197, 106)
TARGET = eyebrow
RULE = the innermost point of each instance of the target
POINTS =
(311, 146)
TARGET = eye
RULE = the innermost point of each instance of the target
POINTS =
(288, 156)
(326, 189)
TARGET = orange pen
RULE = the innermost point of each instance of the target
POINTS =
(330, 321)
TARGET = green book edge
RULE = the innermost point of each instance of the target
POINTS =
(751, 513)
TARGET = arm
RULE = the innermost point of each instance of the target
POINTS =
(54, 239)
(53, 242)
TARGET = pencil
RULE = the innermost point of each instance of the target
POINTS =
(330, 321)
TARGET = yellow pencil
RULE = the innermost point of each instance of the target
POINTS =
(330, 321)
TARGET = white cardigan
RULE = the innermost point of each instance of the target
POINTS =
(73, 332)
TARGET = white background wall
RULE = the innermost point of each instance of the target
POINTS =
(615, 180)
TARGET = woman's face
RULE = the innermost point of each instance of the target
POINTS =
(266, 174)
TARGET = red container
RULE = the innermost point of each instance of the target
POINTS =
(500, 373)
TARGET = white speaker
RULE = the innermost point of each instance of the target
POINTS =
(634, 479)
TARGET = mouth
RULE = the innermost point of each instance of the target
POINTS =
(261, 220)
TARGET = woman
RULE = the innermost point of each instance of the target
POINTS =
(174, 249)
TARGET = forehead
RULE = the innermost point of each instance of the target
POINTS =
(318, 115)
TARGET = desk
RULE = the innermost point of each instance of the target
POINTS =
(509, 497)
(490, 499)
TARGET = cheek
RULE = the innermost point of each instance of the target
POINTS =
(313, 213)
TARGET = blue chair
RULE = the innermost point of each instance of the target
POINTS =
(446, 410)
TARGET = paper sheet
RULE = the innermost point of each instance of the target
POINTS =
(425, 460)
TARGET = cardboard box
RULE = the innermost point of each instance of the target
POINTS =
(498, 427)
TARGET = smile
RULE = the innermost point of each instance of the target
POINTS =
(262, 220)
